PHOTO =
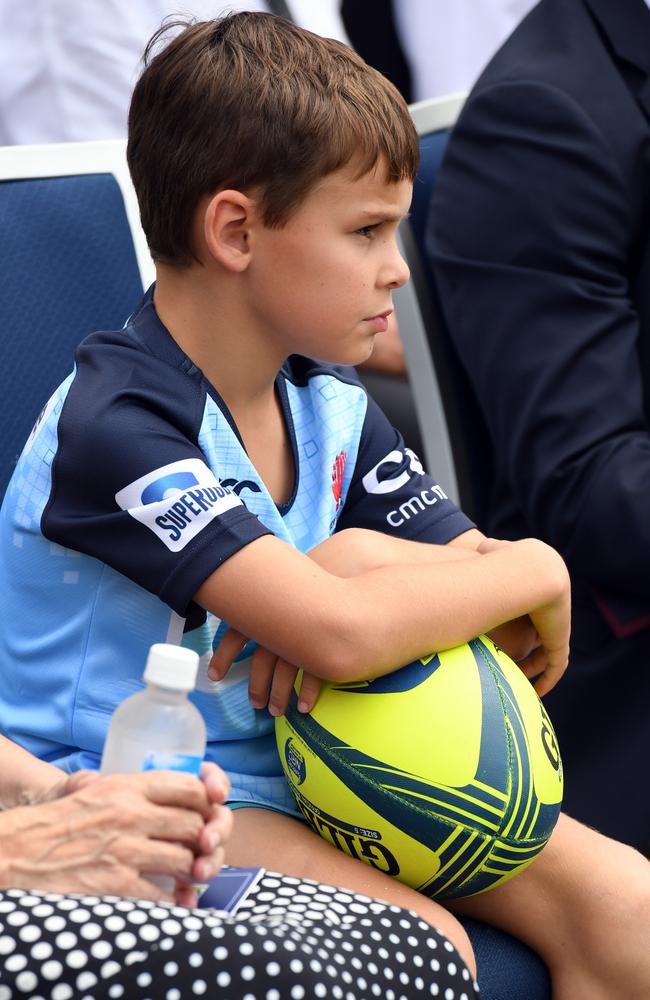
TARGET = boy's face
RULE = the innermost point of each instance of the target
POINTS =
(322, 284)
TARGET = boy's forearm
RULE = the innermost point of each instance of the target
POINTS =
(23, 777)
(355, 551)
(427, 607)
(368, 624)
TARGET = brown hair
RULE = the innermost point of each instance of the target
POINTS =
(253, 101)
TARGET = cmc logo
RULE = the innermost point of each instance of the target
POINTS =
(415, 505)
(168, 486)
(382, 478)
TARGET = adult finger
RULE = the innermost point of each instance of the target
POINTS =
(150, 856)
(186, 895)
(80, 779)
(217, 832)
(144, 801)
(169, 788)
(216, 781)
(212, 844)
(160, 823)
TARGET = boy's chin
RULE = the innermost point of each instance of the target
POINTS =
(352, 359)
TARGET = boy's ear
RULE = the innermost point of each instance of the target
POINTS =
(227, 225)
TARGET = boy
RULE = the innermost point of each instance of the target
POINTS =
(178, 478)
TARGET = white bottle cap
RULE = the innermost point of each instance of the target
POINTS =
(172, 667)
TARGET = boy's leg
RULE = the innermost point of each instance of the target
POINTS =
(584, 906)
(283, 844)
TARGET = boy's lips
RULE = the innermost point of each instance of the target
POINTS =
(380, 321)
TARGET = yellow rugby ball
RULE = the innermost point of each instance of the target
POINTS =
(445, 773)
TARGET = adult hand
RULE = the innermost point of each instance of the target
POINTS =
(105, 834)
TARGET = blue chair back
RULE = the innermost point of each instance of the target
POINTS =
(68, 268)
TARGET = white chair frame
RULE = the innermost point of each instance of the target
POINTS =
(429, 116)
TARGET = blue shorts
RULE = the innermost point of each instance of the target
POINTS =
(262, 792)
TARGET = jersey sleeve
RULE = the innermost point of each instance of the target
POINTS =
(391, 492)
(130, 485)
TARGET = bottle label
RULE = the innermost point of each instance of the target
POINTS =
(173, 762)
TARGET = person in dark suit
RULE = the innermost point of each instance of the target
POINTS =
(539, 238)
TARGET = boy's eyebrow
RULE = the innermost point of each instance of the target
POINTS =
(381, 213)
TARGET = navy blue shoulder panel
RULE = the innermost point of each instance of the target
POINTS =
(391, 492)
(127, 435)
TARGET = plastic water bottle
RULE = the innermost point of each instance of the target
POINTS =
(158, 728)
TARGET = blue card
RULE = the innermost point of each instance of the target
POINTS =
(228, 889)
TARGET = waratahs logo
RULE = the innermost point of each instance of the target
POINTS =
(177, 501)
(338, 469)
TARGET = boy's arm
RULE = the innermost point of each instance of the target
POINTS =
(517, 637)
(347, 625)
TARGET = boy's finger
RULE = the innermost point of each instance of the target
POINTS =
(546, 667)
(230, 646)
(309, 691)
(259, 682)
(550, 677)
(284, 678)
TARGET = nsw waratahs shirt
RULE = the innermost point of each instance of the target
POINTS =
(133, 487)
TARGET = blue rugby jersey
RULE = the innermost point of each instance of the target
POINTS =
(133, 487)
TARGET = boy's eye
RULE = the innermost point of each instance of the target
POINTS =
(366, 231)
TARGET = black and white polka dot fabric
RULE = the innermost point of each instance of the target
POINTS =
(291, 939)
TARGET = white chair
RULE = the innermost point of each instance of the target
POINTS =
(416, 309)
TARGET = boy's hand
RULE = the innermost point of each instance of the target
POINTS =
(517, 638)
(551, 621)
(271, 678)
(538, 642)
(548, 662)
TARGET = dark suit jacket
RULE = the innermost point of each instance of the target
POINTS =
(540, 242)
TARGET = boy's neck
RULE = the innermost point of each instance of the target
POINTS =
(213, 327)
(216, 330)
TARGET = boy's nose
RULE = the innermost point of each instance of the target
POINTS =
(396, 271)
